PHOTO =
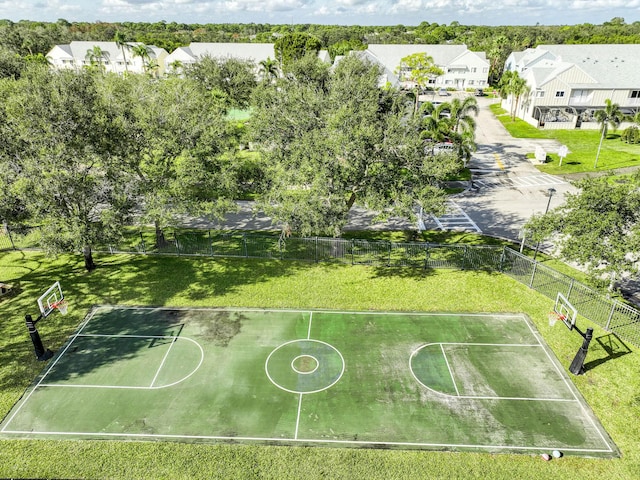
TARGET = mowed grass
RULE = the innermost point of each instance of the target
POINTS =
(582, 145)
(611, 386)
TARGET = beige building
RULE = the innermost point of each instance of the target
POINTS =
(568, 83)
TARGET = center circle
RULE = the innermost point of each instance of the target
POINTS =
(304, 366)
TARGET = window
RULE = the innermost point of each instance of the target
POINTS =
(473, 69)
(539, 93)
(470, 82)
(485, 70)
(635, 94)
(559, 94)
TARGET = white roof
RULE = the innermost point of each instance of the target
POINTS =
(610, 66)
(255, 52)
(79, 49)
(443, 55)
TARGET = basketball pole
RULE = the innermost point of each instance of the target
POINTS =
(577, 365)
(41, 353)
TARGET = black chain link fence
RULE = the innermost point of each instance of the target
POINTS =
(611, 314)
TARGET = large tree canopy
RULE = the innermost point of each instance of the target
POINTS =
(63, 142)
(599, 227)
(294, 46)
(232, 78)
(329, 143)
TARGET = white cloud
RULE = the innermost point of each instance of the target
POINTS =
(365, 12)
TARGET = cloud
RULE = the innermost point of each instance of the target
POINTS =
(363, 12)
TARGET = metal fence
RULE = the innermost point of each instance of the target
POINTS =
(612, 315)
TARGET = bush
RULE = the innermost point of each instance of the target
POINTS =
(631, 135)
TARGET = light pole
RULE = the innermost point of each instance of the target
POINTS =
(551, 191)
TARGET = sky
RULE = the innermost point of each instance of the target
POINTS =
(327, 12)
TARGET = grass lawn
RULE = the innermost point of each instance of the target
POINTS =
(582, 144)
(611, 385)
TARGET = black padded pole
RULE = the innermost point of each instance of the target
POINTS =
(41, 353)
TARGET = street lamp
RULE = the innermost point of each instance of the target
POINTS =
(550, 192)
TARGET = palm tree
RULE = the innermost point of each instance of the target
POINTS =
(151, 67)
(436, 125)
(122, 44)
(97, 57)
(144, 52)
(461, 114)
(176, 67)
(611, 115)
(269, 68)
(513, 84)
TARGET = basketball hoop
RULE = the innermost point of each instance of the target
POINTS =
(554, 317)
(61, 306)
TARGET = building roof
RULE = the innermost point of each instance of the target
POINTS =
(443, 55)
(610, 66)
(255, 52)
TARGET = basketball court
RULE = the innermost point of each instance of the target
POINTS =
(458, 382)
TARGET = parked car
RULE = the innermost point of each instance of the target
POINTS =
(443, 92)
(479, 92)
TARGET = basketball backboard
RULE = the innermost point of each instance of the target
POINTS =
(48, 300)
(565, 311)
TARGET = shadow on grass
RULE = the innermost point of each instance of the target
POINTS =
(118, 279)
(612, 346)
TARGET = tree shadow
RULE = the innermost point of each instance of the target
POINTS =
(612, 346)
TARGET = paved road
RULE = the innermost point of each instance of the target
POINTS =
(508, 189)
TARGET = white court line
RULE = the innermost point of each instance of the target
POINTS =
(164, 359)
(569, 386)
(450, 372)
(308, 440)
(479, 397)
(309, 331)
(298, 417)
(53, 364)
(351, 312)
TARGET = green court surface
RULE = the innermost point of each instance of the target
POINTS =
(472, 382)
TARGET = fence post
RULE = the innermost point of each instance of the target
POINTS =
(144, 249)
(13, 245)
(613, 308)
(244, 245)
(533, 273)
(389, 258)
(353, 258)
(570, 289)
(210, 243)
(316, 249)
(175, 240)
(502, 258)
(426, 256)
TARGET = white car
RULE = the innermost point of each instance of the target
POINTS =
(443, 92)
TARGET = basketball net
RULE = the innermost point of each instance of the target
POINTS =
(554, 317)
(61, 306)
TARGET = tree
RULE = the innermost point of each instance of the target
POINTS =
(121, 43)
(610, 116)
(419, 69)
(512, 84)
(330, 144)
(97, 57)
(269, 69)
(144, 52)
(63, 144)
(294, 46)
(233, 79)
(599, 227)
(183, 154)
